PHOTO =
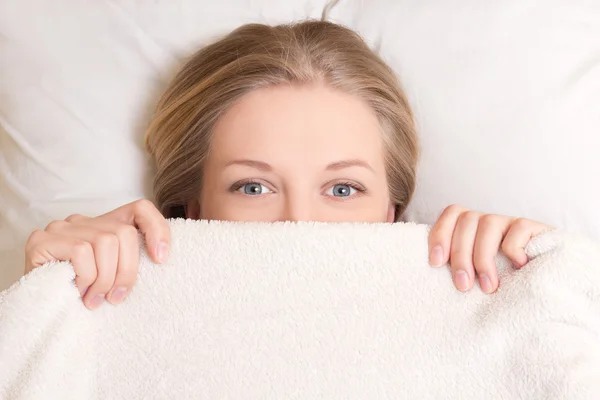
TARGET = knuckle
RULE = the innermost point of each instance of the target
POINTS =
(55, 226)
(457, 256)
(126, 232)
(86, 276)
(454, 255)
(507, 249)
(128, 271)
(469, 217)
(143, 205)
(33, 239)
(489, 220)
(436, 238)
(81, 249)
(127, 276)
(103, 284)
(482, 264)
(106, 239)
(104, 281)
(453, 208)
(74, 218)
(479, 264)
(521, 223)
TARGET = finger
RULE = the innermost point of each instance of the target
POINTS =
(143, 215)
(461, 250)
(104, 239)
(43, 247)
(105, 247)
(440, 236)
(84, 264)
(519, 234)
(490, 231)
(128, 265)
(128, 257)
(36, 255)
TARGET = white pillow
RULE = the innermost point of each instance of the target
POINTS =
(507, 97)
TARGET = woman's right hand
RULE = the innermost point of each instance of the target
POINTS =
(104, 250)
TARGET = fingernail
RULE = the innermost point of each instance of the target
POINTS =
(96, 301)
(485, 283)
(519, 265)
(461, 280)
(161, 252)
(436, 256)
(118, 295)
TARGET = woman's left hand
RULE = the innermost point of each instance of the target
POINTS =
(470, 240)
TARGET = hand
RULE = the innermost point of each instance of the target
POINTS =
(104, 250)
(470, 240)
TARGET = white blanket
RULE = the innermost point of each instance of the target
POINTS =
(303, 311)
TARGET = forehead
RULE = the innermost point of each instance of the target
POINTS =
(288, 121)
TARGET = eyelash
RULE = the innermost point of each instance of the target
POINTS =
(238, 185)
(359, 188)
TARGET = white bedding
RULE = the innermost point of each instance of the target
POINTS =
(255, 311)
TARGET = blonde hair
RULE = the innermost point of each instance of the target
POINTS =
(256, 56)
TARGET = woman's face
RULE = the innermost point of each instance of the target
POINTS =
(296, 153)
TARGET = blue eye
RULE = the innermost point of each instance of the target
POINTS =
(341, 190)
(254, 189)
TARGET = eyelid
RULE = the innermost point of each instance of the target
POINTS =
(353, 184)
(238, 185)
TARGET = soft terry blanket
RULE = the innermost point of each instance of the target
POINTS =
(289, 311)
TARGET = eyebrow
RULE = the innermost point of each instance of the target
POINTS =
(262, 166)
(335, 166)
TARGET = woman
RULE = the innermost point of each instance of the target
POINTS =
(292, 122)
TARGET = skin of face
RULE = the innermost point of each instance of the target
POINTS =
(296, 153)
